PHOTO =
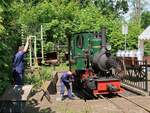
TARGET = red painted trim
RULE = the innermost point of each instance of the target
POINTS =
(102, 87)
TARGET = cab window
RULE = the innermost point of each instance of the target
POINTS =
(79, 41)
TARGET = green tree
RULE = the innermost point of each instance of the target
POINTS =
(108, 7)
(59, 18)
(145, 22)
(9, 31)
(145, 19)
(1, 20)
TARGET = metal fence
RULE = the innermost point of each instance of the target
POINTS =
(134, 73)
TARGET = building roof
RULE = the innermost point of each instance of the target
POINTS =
(145, 35)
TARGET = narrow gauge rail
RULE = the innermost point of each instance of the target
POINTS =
(125, 98)
(109, 100)
(120, 95)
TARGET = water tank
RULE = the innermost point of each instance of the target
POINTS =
(96, 45)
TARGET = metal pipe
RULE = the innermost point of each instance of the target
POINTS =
(103, 32)
(35, 51)
(30, 53)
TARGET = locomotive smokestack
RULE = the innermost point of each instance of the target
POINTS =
(103, 32)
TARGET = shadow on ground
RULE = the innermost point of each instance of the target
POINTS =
(31, 107)
(52, 87)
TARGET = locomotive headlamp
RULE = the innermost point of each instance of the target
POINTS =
(108, 47)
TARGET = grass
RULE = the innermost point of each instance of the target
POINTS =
(83, 107)
(35, 76)
(61, 67)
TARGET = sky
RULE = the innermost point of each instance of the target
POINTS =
(146, 8)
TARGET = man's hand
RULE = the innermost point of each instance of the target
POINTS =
(71, 79)
(27, 43)
(29, 38)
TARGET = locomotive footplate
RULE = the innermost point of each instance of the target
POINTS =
(107, 86)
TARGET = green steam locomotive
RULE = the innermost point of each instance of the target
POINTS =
(92, 62)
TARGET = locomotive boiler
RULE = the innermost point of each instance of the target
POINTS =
(92, 62)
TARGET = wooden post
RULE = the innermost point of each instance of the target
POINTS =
(42, 51)
(35, 51)
(124, 66)
(30, 50)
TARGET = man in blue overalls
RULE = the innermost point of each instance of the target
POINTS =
(65, 80)
(18, 64)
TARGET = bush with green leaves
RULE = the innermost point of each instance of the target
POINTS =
(37, 75)
(59, 18)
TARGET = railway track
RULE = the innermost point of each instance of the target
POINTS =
(122, 96)
(122, 102)
(127, 101)
(109, 100)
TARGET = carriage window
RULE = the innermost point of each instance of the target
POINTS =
(79, 41)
